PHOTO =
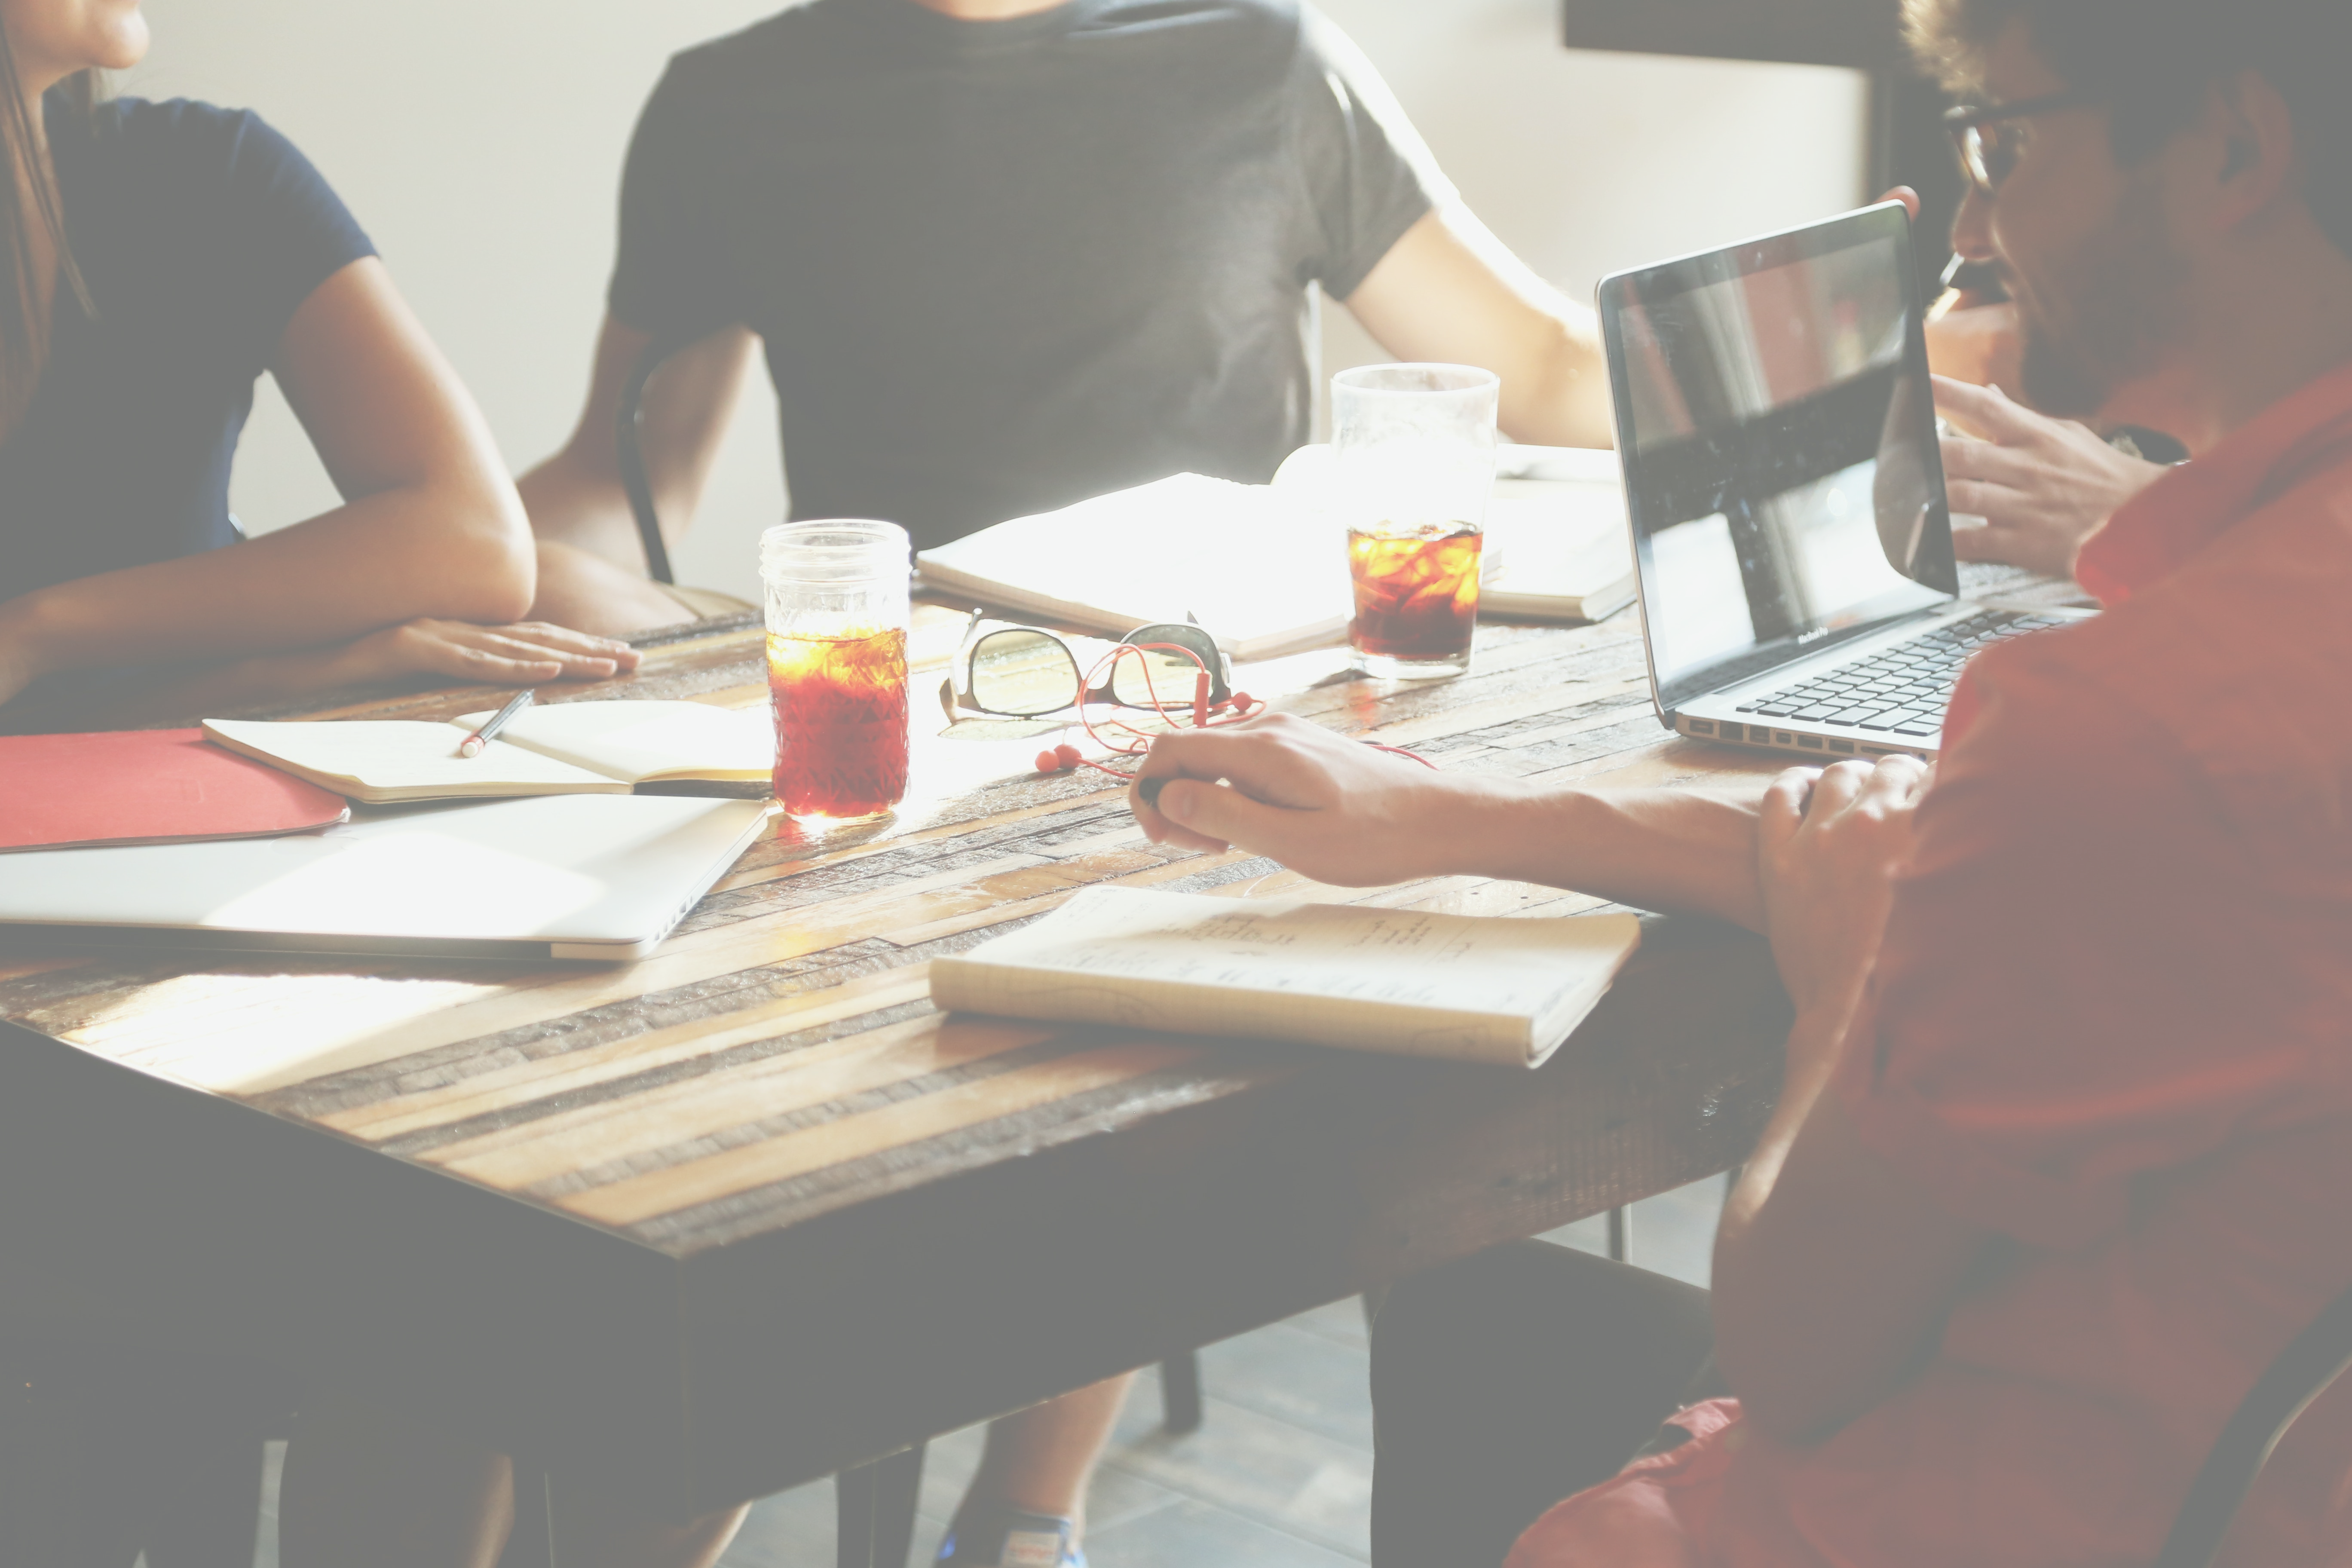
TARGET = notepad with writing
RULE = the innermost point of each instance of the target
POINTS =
(1461, 987)
(572, 748)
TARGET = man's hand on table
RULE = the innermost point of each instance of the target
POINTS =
(1327, 808)
(1828, 845)
(2043, 486)
(1354, 816)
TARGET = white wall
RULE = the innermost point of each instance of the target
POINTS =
(480, 140)
(1586, 163)
(479, 144)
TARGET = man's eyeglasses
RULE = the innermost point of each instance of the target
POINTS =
(1022, 672)
(1986, 139)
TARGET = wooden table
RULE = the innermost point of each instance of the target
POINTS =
(749, 1211)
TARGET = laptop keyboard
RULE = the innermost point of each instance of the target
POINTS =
(1902, 690)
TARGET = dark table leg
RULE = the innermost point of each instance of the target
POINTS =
(875, 1509)
(532, 1543)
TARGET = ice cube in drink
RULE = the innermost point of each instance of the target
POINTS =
(1416, 598)
(841, 722)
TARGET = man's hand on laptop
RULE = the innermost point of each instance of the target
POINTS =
(2041, 485)
(1327, 808)
(1828, 845)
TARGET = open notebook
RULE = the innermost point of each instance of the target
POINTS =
(1479, 988)
(1262, 571)
(568, 748)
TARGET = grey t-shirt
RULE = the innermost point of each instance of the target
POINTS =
(1000, 267)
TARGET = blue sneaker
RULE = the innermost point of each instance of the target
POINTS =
(1000, 1537)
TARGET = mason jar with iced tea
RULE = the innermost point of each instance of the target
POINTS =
(1413, 466)
(837, 622)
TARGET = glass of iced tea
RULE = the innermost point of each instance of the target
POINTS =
(837, 619)
(1412, 465)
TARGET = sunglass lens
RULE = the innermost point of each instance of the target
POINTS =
(1152, 676)
(1023, 673)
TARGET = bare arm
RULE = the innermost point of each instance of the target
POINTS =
(1449, 290)
(575, 496)
(430, 526)
(1343, 813)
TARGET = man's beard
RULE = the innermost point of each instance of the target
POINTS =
(2115, 300)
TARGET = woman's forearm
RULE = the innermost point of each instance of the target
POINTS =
(459, 550)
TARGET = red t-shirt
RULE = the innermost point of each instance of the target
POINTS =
(2113, 1026)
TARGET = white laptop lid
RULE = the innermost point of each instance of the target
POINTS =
(1779, 442)
(575, 876)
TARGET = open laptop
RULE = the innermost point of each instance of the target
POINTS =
(598, 876)
(1791, 540)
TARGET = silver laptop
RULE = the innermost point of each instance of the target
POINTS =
(1791, 540)
(597, 877)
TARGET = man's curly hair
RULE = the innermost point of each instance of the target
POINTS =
(2150, 62)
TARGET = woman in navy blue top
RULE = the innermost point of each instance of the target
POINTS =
(154, 260)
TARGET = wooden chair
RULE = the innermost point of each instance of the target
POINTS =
(2303, 1371)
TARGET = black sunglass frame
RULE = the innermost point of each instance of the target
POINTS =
(957, 696)
(1966, 125)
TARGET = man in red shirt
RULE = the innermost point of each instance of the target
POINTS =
(2059, 1164)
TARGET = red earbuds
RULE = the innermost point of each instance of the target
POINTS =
(1062, 759)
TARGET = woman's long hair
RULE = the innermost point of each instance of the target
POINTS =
(28, 206)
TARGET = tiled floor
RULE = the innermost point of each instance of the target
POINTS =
(1279, 1476)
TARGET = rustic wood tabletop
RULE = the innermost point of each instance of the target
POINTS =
(747, 1212)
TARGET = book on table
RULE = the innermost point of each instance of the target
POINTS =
(566, 748)
(1262, 571)
(146, 787)
(1475, 988)
(1557, 528)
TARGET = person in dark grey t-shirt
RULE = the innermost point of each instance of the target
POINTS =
(1003, 255)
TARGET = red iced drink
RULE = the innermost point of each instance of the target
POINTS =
(1416, 594)
(841, 722)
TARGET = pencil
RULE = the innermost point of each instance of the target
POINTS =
(473, 744)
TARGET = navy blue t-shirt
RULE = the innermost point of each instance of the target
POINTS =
(199, 231)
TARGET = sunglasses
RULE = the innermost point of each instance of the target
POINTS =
(1023, 672)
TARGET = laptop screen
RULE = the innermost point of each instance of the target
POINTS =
(1779, 442)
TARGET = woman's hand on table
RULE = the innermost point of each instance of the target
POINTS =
(1828, 845)
(2041, 485)
(1327, 808)
(520, 655)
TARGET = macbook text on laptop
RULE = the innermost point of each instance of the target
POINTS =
(1791, 540)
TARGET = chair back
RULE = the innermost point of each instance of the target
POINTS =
(629, 448)
(2303, 1371)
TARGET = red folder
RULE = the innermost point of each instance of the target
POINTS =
(147, 786)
